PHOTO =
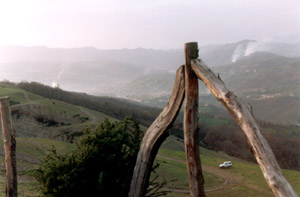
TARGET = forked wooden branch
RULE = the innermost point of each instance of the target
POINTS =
(154, 137)
(9, 147)
(242, 113)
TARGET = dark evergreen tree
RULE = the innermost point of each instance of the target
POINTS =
(101, 165)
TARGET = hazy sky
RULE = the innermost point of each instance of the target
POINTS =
(159, 24)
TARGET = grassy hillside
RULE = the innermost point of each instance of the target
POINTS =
(115, 107)
(19, 96)
(37, 116)
(244, 177)
(30, 151)
(225, 135)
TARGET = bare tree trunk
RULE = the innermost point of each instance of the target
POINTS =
(9, 147)
(191, 128)
(242, 113)
(154, 137)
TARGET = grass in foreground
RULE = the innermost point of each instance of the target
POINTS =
(252, 182)
(172, 169)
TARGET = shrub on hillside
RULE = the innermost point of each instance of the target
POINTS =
(102, 163)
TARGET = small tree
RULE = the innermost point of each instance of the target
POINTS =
(102, 163)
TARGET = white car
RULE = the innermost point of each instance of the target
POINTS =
(226, 164)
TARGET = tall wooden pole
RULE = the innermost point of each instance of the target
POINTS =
(191, 128)
(9, 148)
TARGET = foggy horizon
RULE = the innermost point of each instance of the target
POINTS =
(158, 49)
(132, 24)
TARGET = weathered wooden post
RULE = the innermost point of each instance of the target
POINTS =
(8, 134)
(191, 128)
(154, 137)
(242, 113)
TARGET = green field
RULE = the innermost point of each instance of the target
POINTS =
(15, 94)
(71, 119)
(23, 97)
(30, 151)
(244, 177)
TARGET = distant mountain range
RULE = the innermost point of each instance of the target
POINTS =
(84, 69)
(219, 55)
(266, 74)
(101, 71)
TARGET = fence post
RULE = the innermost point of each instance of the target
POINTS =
(9, 140)
(191, 128)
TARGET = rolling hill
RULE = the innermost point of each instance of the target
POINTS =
(83, 69)
(213, 118)
(36, 116)
(270, 83)
(32, 145)
(222, 54)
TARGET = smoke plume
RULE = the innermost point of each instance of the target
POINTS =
(238, 52)
(243, 50)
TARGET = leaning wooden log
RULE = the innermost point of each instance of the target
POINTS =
(8, 134)
(242, 113)
(190, 124)
(154, 137)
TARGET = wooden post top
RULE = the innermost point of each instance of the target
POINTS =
(4, 101)
(4, 97)
(191, 49)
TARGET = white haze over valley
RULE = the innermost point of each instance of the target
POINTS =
(99, 46)
(106, 72)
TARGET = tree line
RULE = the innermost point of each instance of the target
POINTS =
(228, 137)
(117, 108)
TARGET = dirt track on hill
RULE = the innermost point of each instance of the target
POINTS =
(94, 119)
(228, 177)
(26, 97)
